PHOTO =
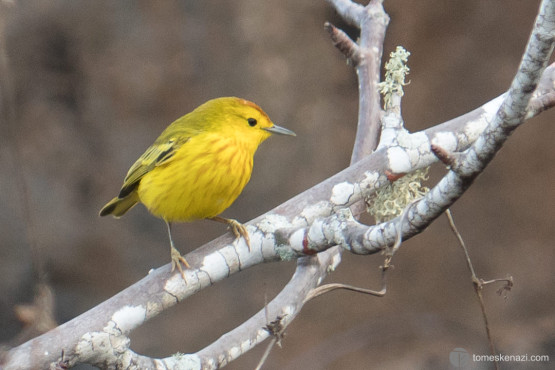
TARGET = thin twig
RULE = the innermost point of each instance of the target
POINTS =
(476, 282)
(509, 283)
(344, 44)
(461, 242)
(266, 354)
(330, 287)
(275, 328)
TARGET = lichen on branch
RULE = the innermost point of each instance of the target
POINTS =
(396, 70)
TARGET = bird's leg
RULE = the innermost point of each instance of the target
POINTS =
(238, 228)
(177, 258)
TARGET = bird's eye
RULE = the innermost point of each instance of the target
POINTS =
(252, 122)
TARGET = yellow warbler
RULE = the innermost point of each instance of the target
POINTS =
(198, 166)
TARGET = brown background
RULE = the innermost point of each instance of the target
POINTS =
(96, 82)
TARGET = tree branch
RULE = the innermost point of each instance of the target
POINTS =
(351, 12)
(341, 229)
(372, 23)
(344, 44)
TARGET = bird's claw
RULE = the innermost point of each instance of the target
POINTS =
(177, 260)
(239, 230)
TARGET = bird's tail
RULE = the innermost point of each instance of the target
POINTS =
(118, 206)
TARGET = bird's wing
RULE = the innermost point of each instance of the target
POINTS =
(157, 154)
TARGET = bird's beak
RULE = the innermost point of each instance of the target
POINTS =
(279, 130)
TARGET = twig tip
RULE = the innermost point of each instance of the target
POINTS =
(443, 155)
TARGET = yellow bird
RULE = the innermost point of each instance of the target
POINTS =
(198, 166)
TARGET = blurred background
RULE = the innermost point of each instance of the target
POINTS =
(94, 83)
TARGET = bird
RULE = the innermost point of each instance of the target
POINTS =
(197, 167)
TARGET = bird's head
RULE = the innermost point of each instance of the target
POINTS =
(241, 118)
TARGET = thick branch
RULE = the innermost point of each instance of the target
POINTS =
(372, 22)
(372, 34)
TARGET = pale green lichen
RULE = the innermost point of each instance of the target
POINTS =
(285, 253)
(390, 201)
(395, 73)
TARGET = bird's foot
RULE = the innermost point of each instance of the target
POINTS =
(238, 229)
(177, 260)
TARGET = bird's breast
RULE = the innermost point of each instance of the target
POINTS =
(201, 181)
